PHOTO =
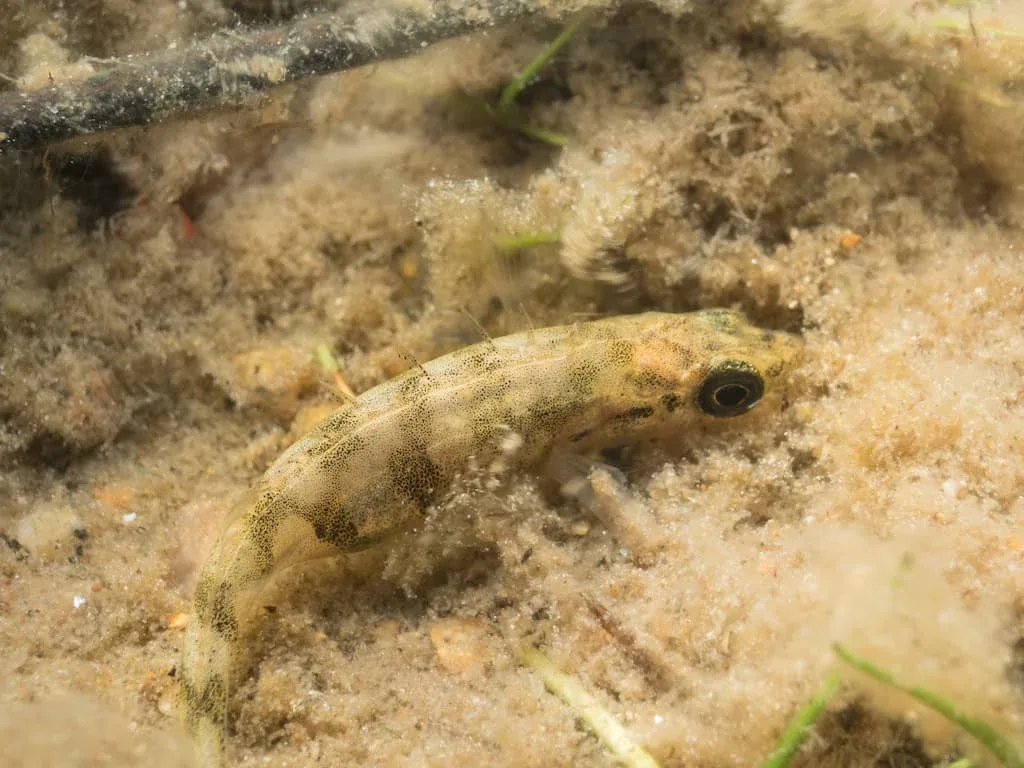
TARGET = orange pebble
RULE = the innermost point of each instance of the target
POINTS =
(177, 620)
(849, 241)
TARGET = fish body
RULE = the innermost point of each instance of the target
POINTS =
(378, 463)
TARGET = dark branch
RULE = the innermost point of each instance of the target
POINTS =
(229, 67)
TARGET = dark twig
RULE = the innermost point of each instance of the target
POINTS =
(229, 67)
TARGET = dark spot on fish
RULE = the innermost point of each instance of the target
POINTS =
(636, 412)
(340, 421)
(582, 376)
(201, 599)
(580, 435)
(333, 526)
(413, 384)
(482, 359)
(621, 352)
(265, 519)
(671, 401)
(414, 475)
(336, 460)
(549, 413)
(222, 613)
(492, 391)
(649, 379)
(207, 703)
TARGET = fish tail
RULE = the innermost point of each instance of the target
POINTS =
(207, 663)
(212, 648)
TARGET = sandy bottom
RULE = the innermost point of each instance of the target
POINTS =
(162, 293)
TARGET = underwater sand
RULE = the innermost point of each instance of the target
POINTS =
(162, 293)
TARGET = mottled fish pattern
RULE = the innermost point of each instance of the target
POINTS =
(379, 462)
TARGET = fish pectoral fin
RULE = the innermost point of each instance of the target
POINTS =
(574, 476)
(602, 491)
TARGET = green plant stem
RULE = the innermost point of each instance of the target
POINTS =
(542, 135)
(796, 732)
(511, 92)
(506, 112)
(326, 359)
(999, 745)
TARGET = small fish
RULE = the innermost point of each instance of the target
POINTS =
(379, 462)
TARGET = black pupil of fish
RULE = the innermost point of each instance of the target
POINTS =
(731, 395)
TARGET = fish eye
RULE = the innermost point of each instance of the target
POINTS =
(732, 388)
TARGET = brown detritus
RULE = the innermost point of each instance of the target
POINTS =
(661, 676)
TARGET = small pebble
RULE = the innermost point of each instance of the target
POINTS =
(849, 241)
(580, 528)
(128, 518)
(177, 620)
(77, 601)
